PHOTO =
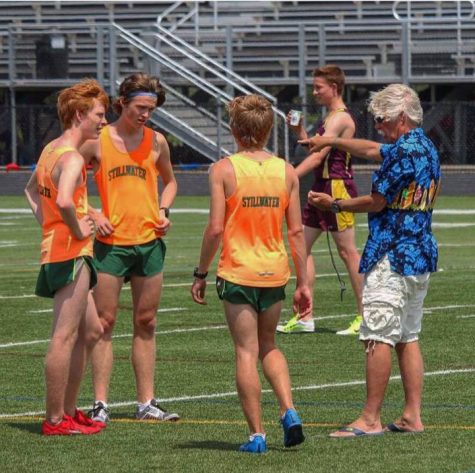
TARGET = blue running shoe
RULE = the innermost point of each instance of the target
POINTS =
(257, 444)
(292, 425)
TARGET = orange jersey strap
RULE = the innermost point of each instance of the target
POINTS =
(127, 184)
(58, 243)
(253, 251)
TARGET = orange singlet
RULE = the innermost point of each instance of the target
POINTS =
(253, 252)
(58, 243)
(127, 184)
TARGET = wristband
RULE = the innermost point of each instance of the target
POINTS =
(199, 275)
(166, 210)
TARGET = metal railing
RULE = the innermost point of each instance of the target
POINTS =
(226, 75)
(218, 94)
(213, 91)
(437, 17)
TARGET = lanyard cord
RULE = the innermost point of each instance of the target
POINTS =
(342, 283)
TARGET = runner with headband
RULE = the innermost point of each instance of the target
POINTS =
(127, 160)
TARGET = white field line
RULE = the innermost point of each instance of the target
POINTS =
(454, 212)
(455, 245)
(167, 309)
(124, 335)
(440, 225)
(445, 307)
(205, 211)
(16, 211)
(427, 310)
(465, 316)
(179, 330)
(176, 211)
(312, 387)
(324, 251)
(178, 284)
(16, 245)
(20, 228)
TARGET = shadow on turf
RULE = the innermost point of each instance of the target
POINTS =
(318, 330)
(27, 426)
(217, 445)
(208, 445)
(325, 330)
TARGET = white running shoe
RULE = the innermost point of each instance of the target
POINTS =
(153, 411)
(354, 328)
(100, 413)
(296, 326)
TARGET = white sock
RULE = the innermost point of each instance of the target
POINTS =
(257, 434)
(143, 406)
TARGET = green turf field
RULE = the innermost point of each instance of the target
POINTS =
(195, 370)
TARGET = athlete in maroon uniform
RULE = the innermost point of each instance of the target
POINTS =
(336, 166)
(333, 176)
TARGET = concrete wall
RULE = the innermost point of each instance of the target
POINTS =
(456, 180)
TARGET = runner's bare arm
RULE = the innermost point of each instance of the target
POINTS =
(70, 169)
(165, 170)
(302, 303)
(214, 230)
(33, 197)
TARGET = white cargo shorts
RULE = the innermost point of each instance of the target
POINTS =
(392, 305)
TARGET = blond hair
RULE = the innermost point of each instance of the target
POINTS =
(251, 119)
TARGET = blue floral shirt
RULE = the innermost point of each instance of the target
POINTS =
(409, 180)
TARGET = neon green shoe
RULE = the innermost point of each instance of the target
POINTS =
(354, 328)
(296, 326)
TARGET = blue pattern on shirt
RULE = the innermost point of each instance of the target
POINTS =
(409, 180)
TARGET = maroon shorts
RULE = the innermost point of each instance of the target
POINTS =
(326, 220)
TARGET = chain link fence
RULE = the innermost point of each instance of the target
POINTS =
(451, 126)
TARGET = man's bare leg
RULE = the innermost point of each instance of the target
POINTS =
(411, 366)
(243, 325)
(106, 297)
(311, 235)
(273, 361)
(146, 292)
(378, 370)
(69, 307)
(345, 243)
(90, 331)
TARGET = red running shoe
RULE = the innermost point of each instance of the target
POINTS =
(68, 426)
(82, 419)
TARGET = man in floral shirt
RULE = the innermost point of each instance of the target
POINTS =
(399, 255)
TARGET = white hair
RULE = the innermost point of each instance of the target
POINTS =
(395, 99)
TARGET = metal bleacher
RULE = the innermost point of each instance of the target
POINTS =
(219, 48)
(366, 37)
(263, 41)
